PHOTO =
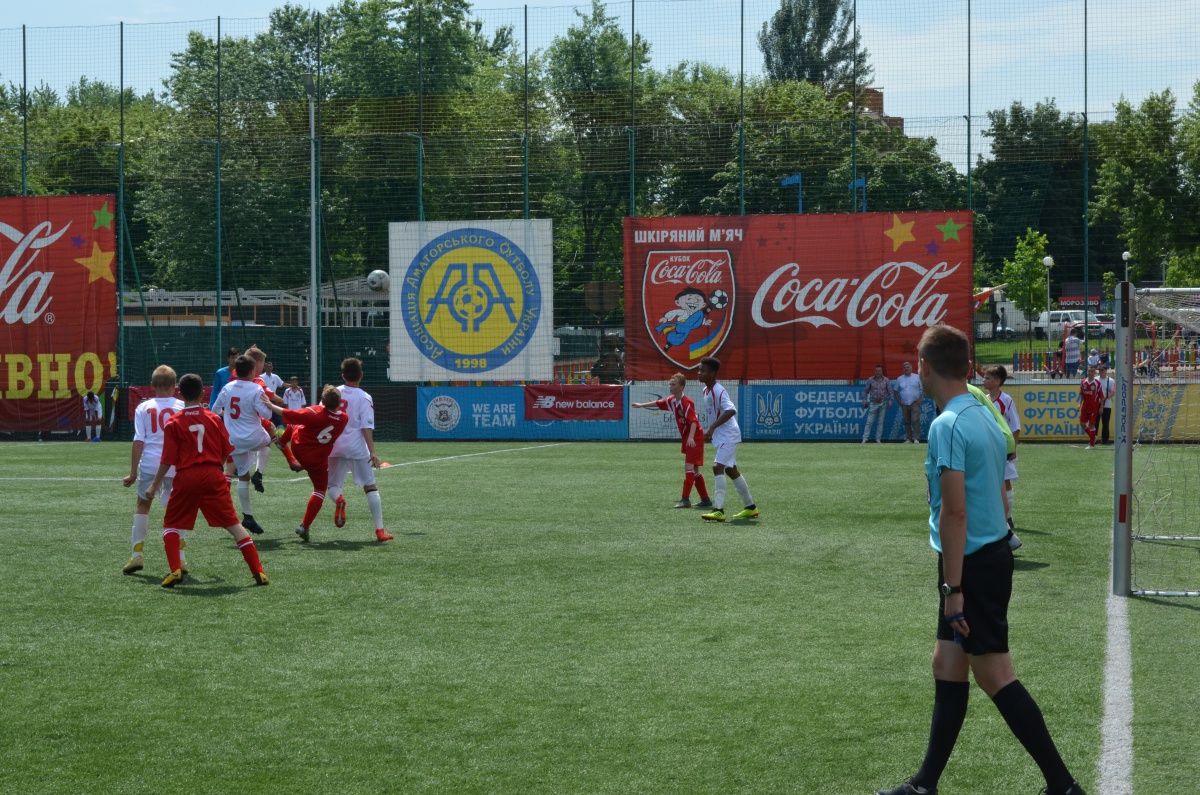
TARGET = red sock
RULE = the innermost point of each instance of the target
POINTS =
(688, 479)
(314, 507)
(250, 553)
(1091, 432)
(171, 544)
(700, 487)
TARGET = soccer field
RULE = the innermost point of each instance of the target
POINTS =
(544, 622)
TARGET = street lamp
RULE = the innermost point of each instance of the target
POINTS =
(1125, 255)
(310, 88)
(1049, 263)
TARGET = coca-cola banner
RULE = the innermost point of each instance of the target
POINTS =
(58, 308)
(792, 296)
(574, 402)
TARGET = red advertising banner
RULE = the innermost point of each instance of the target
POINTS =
(792, 296)
(574, 402)
(58, 308)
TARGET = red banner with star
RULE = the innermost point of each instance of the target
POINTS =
(792, 296)
(58, 308)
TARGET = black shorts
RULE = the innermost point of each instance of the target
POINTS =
(987, 588)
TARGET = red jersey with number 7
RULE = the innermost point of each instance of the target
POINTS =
(195, 437)
(317, 428)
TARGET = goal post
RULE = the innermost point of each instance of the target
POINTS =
(1156, 496)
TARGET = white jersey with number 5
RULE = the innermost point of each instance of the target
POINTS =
(717, 400)
(148, 421)
(242, 403)
(358, 406)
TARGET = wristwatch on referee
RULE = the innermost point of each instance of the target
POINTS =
(947, 590)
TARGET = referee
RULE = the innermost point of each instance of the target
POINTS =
(964, 467)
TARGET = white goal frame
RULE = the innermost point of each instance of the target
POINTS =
(1124, 443)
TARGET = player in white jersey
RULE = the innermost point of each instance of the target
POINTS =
(723, 431)
(354, 450)
(91, 416)
(244, 405)
(993, 380)
(148, 421)
(293, 396)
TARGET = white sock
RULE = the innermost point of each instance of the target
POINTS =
(743, 490)
(88, 430)
(719, 492)
(264, 455)
(376, 505)
(182, 547)
(244, 496)
(332, 493)
(141, 523)
(1008, 503)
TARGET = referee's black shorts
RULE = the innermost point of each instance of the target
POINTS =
(987, 589)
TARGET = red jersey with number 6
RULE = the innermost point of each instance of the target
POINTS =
(317, 428)
(195, 437)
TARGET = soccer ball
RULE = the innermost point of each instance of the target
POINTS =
(718, 299)
(378, 280)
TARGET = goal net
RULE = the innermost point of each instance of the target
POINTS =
(1157, 494)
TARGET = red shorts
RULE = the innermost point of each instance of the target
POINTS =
(1087, 417)
(201, 489)
(317, 468)
(695, 456)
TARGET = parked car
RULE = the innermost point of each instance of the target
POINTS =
(1055, 319)
(1095, 330)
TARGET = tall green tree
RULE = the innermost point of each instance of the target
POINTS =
(1025, 273)
(815, 41)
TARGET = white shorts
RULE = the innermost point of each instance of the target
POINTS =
(91, 417)
(164, 489)
(254, 443)
(364, 474)
(1010, 470)
(726, 454)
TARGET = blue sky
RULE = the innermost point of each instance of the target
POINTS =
(1025, 50)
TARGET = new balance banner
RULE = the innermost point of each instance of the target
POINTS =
(58, 308)
(574, 402)
(498, 412)
(792, 296)
(471, 300)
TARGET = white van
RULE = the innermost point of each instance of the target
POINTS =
(1058, 317)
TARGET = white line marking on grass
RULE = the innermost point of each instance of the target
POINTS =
(1115, 769)
(68, 480)
(453, 457)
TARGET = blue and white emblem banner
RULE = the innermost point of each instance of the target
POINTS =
(472, 300)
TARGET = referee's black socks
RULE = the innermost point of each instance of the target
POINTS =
(1024, 718)
(949, 712)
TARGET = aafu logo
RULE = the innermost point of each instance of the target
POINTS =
(443, 413)
(687, 303)
(471, 300)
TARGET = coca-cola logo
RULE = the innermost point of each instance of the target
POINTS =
(687, 268)
(883, 297)
(24, 293)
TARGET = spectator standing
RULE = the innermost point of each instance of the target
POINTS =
(1072, 346)
(222, 376)
(910, 397)
(877, 397)
(1107, 386)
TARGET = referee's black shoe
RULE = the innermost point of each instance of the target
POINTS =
(907, 788)
(1074, 789)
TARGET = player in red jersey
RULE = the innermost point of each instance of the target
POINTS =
(312, 432)
(691, 435)
(196, 443)
(1091, 398)
(264, 454)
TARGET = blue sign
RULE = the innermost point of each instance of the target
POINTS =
(810, 413)
(497, 412)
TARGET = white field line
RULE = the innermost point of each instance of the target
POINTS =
(453, 458)
(1115, 769)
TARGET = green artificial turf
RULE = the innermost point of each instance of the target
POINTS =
(544, 622)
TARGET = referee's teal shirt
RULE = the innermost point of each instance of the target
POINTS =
(965, 438)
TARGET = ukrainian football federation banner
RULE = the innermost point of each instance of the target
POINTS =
(472, 300)
(58, 308)
(802, 412)
(780, 297)
(470, 412)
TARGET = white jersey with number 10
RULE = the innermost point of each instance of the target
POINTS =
(148, 420)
